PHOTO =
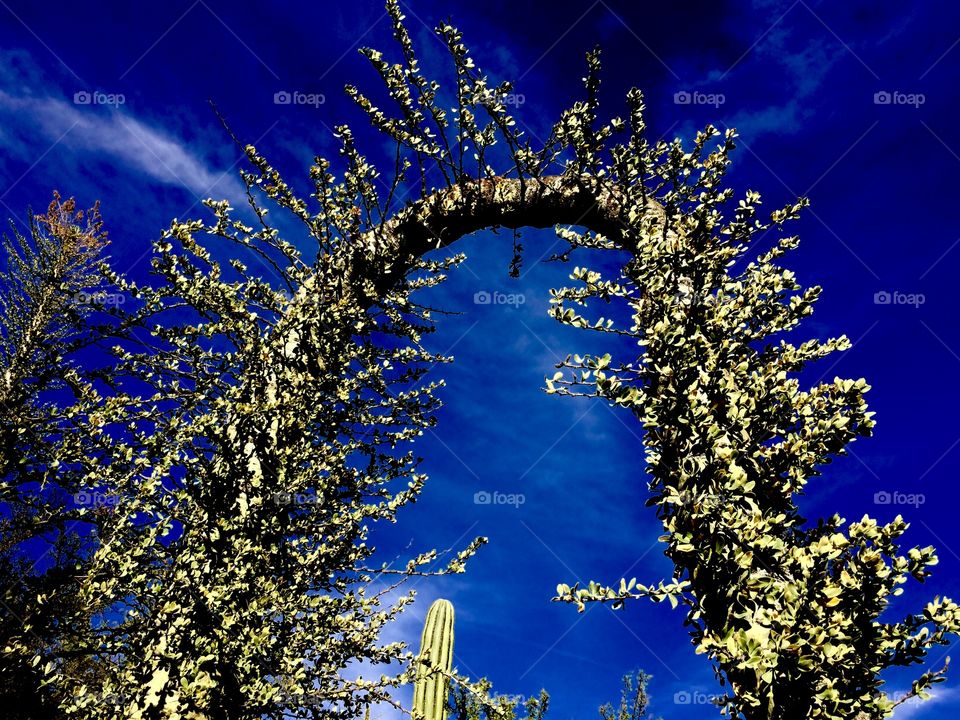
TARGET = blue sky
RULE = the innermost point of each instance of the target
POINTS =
(847, 103)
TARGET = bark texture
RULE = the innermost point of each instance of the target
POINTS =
(448, 215)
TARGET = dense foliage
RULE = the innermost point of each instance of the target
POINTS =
(221, 442)
(788, 611)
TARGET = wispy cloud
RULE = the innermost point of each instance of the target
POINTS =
(44, 123)
(802, 62)
(118, 136)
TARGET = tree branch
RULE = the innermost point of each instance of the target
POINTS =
(447, 215)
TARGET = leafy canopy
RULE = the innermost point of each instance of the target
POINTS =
(250, 429)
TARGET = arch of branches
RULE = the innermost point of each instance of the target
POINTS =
(212, 590)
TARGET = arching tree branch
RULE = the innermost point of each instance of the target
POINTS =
(447, 215)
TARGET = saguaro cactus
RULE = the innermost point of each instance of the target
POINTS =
(435, 663)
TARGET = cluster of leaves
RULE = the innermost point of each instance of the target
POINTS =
(244, 431)
(275, 432)
(789, 612)
(474, 701)
(634, 700)
(225, 465)
(51, 292)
